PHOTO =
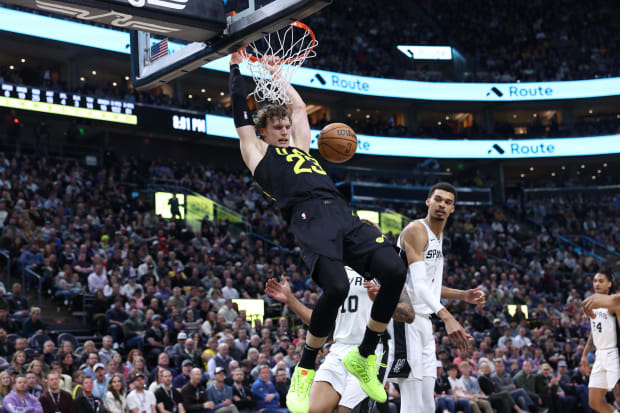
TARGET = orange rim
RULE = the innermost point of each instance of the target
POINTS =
(297, 24)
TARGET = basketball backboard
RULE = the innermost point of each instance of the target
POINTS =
(202, 24)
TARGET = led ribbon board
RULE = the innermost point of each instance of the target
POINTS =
(117, 41)
(67, 104)
(457, 149)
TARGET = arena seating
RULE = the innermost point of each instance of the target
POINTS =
(84, 234)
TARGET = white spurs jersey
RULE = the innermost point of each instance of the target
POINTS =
(433, 261)
(353, 315)
(604, 329)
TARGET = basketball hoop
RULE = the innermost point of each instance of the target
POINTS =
(275, 58)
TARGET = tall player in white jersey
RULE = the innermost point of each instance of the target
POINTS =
(334, 387)
(413, 360)
(603, 335)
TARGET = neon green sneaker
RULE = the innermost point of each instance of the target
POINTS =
(365, 370)
(298, 396)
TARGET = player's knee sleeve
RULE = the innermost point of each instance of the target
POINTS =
(391, 272)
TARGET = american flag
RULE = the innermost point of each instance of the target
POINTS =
(159, 50)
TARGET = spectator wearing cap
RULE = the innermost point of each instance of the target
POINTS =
(221, 359)
(183, 378)
(100, 384)
(87, 402)
(265, 393)
(140, 400)
(496, 331)
(569, 399)
(547, 388)
(221, 394)
(176, 353)
(195, 398)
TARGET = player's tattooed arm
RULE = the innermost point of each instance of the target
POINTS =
(404, 310)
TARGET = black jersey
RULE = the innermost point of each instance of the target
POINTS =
(290, 176)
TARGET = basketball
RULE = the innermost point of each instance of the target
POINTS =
(337, 142)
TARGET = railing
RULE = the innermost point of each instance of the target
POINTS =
(579, 249)
(583, 191)
(29, 278)
(360, 191)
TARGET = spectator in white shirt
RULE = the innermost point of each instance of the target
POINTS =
(521, 339)
(230, 292)
(140, 400)
(97, 280)
(130, 288)
(228, 312)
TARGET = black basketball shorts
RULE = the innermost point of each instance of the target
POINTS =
(328, 227)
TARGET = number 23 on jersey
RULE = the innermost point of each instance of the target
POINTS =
(303, 163)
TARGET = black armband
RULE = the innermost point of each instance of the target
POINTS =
(238, 98)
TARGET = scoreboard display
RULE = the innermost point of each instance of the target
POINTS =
(68, 104)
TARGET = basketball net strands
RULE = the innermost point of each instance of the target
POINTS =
(202, 23)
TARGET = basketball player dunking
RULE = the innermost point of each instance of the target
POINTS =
(413, 361)
(334, 387)
(326, 228)
(603, 336)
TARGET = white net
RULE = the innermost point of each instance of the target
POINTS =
(274, 59)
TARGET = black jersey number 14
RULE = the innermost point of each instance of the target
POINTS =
(300, 159)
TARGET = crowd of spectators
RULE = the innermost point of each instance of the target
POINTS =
(500, 41)
(163, 295)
